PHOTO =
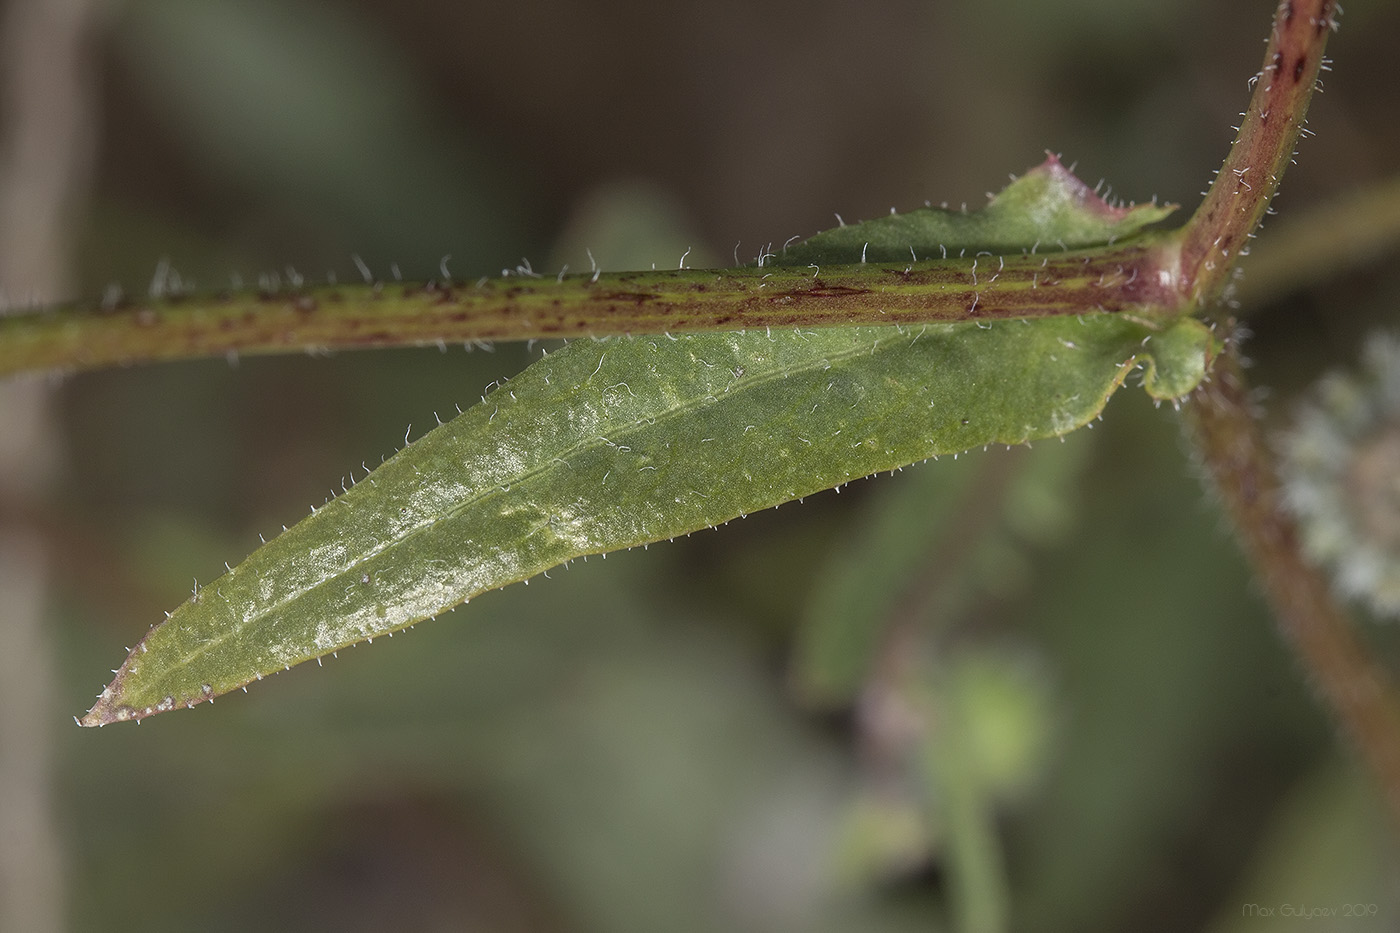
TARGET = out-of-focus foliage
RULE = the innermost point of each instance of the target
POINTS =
(618, 748)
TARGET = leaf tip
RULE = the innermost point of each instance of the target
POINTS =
(107, 709)
(111, 707)
(1063, 178)
(117, 704)
(113, 704)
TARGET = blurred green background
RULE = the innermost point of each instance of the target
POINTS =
(1035, 685)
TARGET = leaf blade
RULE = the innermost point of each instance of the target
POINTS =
(610, 444)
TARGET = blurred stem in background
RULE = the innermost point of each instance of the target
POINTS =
(1223, 422)
(46, 141)
(1307, 249)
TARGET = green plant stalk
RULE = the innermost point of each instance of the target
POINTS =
(979, 893)
(1132, 278)
(1222, 422)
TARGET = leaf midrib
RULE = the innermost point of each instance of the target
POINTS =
(627, 429)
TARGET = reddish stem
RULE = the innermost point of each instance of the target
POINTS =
(1225, 427)
(1237, 201)
(1130, 278)
(1321, 634)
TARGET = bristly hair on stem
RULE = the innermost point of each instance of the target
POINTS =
(1115, 279)
(1220, 230)
(1224, 426)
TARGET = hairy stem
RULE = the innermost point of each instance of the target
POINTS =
(1133, 277)
(1225, 429)
(1324, 638)
(1236, 203)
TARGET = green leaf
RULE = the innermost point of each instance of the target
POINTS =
(1046, 207)
(614, 443)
